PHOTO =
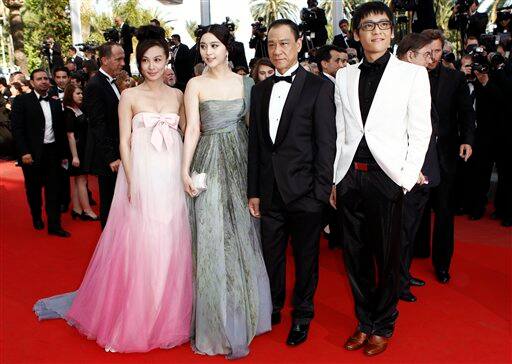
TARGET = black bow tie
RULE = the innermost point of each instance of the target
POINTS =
(113, 81)
(44, 98)
(288, 79)
(60, 90)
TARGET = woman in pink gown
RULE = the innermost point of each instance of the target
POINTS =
(137, 292)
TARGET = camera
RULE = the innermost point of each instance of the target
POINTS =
(87, 47)
(111, 35)
(258, 26)
(229, 24)
(448, 57)
(479, 61)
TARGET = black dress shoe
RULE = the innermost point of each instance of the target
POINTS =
(38, 224)
(86, 217)
(59, 232)
(416, 282)
(506, 223)
(476, 216)
(298, 334)
(276, 318)
(408, 297)
(443, 276)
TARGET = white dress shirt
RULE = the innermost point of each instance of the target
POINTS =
(49, 135)
(110, 79)
(277, 101)
(329, 77)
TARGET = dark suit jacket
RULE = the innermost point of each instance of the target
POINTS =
(126, 38)
(425, 15)
(28, 126)
(100, 105)
(431, 164)
(79, 61)
(183, 66)
(237, 55)
(456, 116)
(339, 41)
(302, 158)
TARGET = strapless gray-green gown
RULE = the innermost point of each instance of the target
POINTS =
(232, 302)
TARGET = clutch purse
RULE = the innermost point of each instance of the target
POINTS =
(199, 182)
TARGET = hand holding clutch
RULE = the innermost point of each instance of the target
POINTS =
(199, 182)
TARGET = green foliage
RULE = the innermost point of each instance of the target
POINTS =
(43, 18)
(130, 10)
(271, 10)
(191, 26)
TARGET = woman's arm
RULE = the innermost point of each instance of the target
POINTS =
(183, 116)
(125, 132)
(192, 133)
(72, 147)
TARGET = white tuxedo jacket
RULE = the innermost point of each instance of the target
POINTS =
(398, 126)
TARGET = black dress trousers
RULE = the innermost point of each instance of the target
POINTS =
(370, 211)
(300, 220)
(44, 173)
(106, 184)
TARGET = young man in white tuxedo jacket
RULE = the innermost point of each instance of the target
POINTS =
(383, 131)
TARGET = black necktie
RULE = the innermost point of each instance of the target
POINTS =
(44, 98)
(288, 79)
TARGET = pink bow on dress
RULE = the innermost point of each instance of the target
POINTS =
(162, 126)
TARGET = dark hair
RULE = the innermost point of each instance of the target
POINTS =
(373, 7)
(177, 36)
(324, 54)
(17, 86)
(156, 21)
(221, 32)
(292, 25)
(37, 70)
(105, 50)
(60, 69)
(411, 42)
(71, 48)
(434, 34)
(3, 81)
(67, 100)
(343, 21)
(91, 65)
(241, 68)
(150, 36)
(256, 68)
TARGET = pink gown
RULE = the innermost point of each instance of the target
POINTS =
(137, 292)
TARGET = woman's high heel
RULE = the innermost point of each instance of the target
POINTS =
(86, 217)
(75, 214)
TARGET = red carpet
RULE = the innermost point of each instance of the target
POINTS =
(466, 321)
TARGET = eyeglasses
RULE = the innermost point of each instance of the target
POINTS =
(369, 26)
(425, 55)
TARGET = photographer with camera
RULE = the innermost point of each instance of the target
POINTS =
(467, 20)
(314, 23)
(258, 40)
(126, 33)
(53, 53)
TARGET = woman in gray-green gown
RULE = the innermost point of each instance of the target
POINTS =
(232, 302)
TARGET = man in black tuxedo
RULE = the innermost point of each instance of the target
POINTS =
(181, 62)
(75, 58)
(126, 35)
(292, 144)
(38, 130)
(450, 96)
(415, 48)
(342, 40)
(61, 79)
(330, 59)
(101, 98)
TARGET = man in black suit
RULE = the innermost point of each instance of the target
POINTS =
(126, 35)
(330, 59)
(469, 22)
(415, 48)
(101, 98)
(237, 54)
(450, 96)
(292, 144)
(61, 79)
(316, 24)
(342, 40)
(75, 58)
(181, 62)
(38, 130)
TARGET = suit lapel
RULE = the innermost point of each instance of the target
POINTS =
(289, 105)
(39, 110)
(108, 87)
(353, 94)
(265, 102)
(440, 83)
